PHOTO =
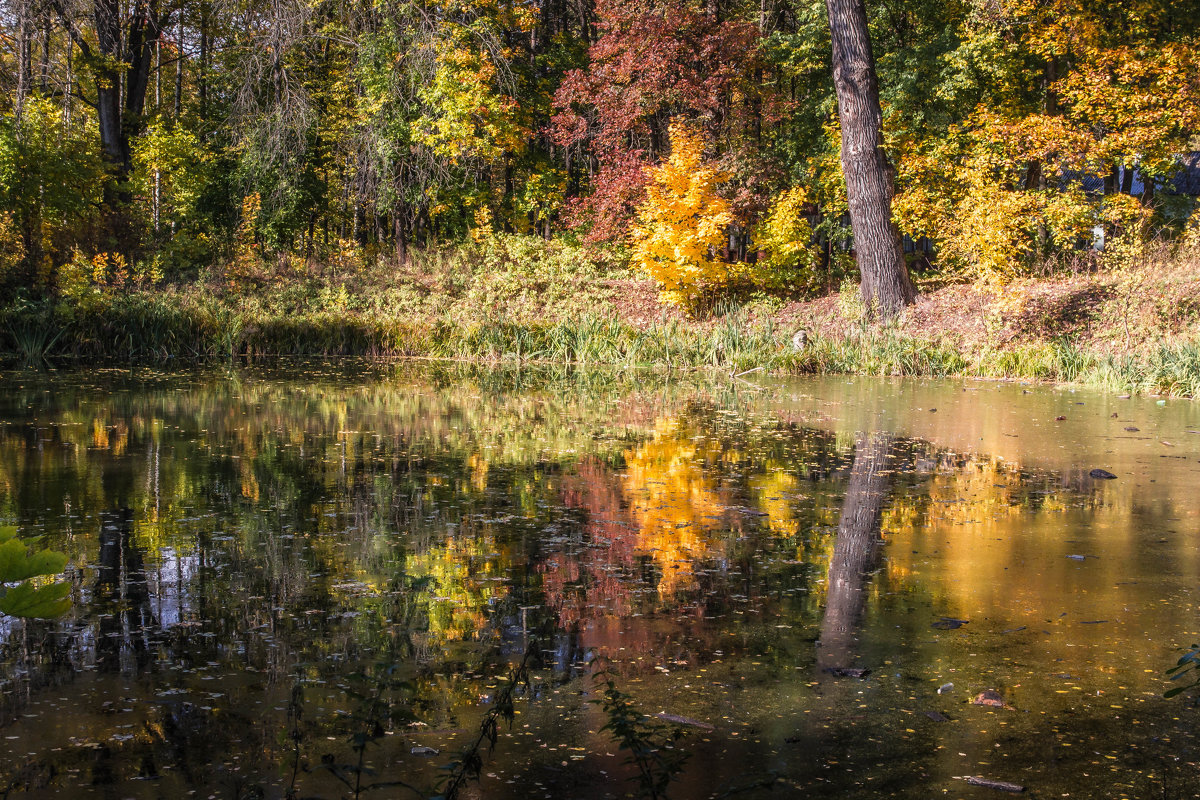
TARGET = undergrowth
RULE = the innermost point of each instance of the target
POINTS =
(507, 299)
(147, 327)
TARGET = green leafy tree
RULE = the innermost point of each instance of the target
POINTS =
(51, 182)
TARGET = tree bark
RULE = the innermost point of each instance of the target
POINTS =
(179, 68)
(202, 73)
(886, 286)
(24, 56)
(398, 222)
(120, 60)
(44, 62)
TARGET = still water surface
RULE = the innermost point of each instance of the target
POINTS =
(246, 545)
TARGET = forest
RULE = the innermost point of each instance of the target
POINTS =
(249, 147)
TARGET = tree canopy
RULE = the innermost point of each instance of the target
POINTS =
(151, 130)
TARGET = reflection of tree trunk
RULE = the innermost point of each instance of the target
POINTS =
(855, 551)
(121, 582)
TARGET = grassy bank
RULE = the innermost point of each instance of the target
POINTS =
(552, 305)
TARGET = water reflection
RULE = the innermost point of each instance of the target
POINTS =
(238, 538)
(856, 551)
(121, 598)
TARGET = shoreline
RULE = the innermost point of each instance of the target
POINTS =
(1128, 329)
(141, 329)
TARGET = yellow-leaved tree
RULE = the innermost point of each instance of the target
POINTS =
(785, 237)
(682, 223)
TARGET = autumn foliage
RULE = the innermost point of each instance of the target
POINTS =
(1022, 132)
(1090, 96)
(683, 223)
(652, 62)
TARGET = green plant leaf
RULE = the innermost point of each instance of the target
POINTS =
(42, 602)
(17, 564)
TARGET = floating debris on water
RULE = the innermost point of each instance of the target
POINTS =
(1002, 786)
(949, 623)
(989, 697)
(848, 672)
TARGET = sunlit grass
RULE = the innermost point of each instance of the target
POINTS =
(148, 326)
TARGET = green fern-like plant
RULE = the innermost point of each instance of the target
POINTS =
(653, 748)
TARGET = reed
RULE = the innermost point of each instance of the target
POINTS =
(197, 326)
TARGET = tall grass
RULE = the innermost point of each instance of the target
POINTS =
(144, 326)
(34, 340)
(1173, 370)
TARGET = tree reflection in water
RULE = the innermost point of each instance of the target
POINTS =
(230, 540)
(126, 621)
(856, 550)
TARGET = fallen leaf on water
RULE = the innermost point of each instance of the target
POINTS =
(989, 697)
(949, 623)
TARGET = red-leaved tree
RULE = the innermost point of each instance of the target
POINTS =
(654, 60)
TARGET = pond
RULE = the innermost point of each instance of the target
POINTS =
(301, 580)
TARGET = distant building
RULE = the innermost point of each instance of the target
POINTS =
(1187, 181)
(1180, 191)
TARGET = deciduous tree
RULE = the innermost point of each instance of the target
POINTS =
(683, 223)
(886, 286)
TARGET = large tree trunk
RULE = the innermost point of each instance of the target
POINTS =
(113, 144)
(121, 60)
(886, 286)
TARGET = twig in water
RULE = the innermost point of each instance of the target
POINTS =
(469, 766)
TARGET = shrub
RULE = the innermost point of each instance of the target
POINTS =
(786, 236)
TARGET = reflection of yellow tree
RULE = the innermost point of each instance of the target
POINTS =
(465, 577)
(776, 493)
(775, 490)
(969, 509)
(674, 501)
(477, 463)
